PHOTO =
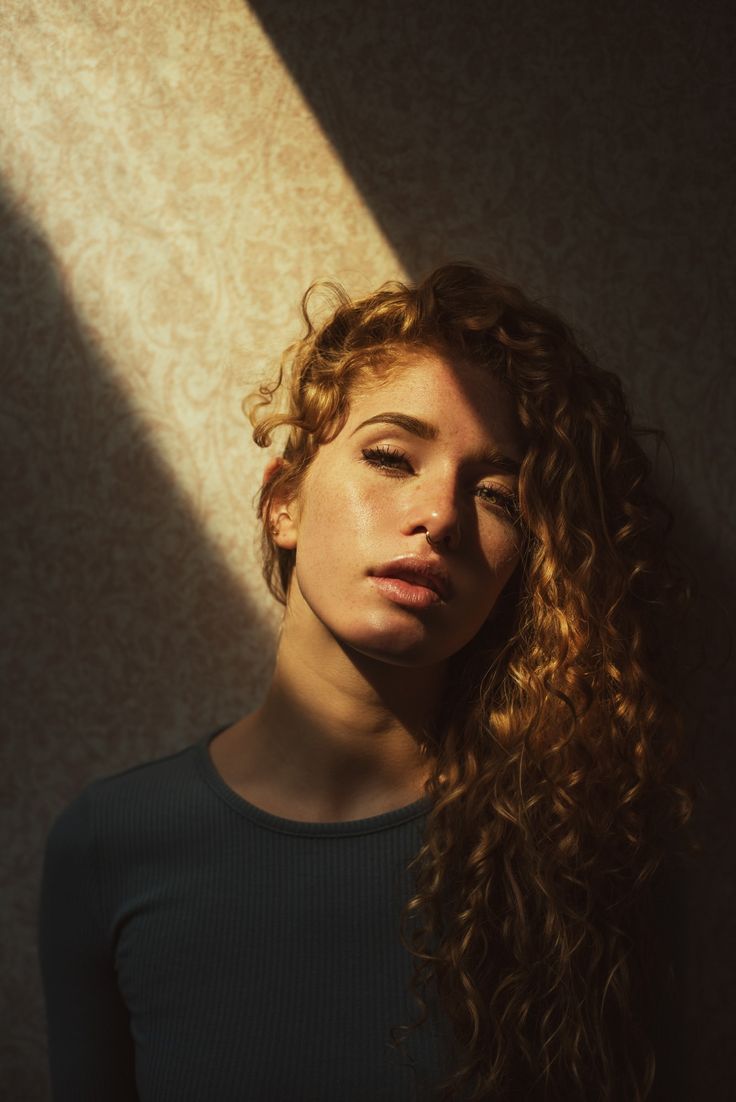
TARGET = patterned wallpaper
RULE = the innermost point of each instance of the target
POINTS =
(173, 177)
(166, 198)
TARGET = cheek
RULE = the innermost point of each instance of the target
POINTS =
(339, 525)
(501, 553)
(349, 505)
(501, 548)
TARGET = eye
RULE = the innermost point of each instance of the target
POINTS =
(393, 461)
(504, 500)
(385, 458)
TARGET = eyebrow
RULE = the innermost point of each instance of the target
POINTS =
(427, 431)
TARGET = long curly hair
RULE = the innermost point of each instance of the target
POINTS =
(557, 784)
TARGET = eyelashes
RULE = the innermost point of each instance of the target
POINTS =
(384, 456)
(390, 460)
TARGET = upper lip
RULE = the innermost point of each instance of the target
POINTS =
(412, 568)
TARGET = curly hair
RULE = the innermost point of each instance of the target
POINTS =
(557, 784)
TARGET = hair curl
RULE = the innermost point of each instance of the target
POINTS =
(556, 785)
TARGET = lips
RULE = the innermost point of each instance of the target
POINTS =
(418, 572)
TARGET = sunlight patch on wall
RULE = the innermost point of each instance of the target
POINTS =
(188, 197)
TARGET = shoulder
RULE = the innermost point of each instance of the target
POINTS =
(126, 804)
(175, 771)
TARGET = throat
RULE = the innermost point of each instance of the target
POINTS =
(299, 796)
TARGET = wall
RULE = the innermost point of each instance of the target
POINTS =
(173, 177)
(167, 197)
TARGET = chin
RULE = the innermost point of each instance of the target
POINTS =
(395, 651)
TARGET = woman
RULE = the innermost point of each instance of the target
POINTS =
(467, 688)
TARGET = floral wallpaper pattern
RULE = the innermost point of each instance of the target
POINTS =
(166, 199)
(172, 177)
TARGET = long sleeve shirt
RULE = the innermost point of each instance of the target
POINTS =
(196, 947)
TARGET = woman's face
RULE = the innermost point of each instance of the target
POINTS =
(433, 447)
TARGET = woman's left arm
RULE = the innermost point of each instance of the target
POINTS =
(91, 1053)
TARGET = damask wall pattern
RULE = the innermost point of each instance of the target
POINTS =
(167, 197)
(172, 177)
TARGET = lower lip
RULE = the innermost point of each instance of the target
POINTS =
(406, 593)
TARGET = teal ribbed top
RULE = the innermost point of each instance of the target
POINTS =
(195, 947)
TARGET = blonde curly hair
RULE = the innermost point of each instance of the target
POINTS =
(556, 785)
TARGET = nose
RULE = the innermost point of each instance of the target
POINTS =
(434, 513)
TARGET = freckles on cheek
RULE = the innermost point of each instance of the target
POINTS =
(335, 510)
(364, 508)
(499, 540)
(502, 555)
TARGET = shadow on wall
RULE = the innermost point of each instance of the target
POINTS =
(125, 634)
(557, 135)
(582, 149)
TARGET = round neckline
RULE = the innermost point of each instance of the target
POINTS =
(384, 821)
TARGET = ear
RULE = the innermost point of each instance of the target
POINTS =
(283, 514)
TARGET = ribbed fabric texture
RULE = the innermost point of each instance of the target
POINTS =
(195, 947)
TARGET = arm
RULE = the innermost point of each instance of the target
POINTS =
(91, 1053)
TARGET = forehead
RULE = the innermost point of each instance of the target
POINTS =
(460, 398)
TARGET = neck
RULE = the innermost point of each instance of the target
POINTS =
(338, 728)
